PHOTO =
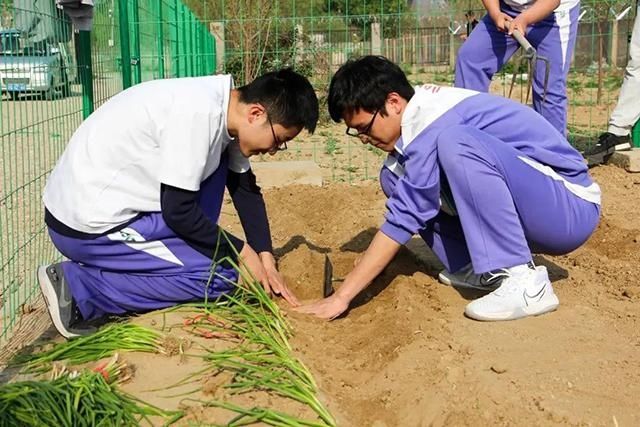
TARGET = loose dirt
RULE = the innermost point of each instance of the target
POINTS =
(405, 355)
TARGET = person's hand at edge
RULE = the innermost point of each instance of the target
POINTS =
(276, 280)
(379, 253)
(519, 23)
(500, 20)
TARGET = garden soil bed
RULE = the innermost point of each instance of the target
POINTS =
(405, 355)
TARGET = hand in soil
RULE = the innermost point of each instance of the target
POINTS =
(275, 280)
(327, 308)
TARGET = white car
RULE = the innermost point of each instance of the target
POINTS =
(42, 68)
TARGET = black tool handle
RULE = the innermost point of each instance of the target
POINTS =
(327, 289)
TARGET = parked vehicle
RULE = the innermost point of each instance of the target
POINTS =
(44, 68)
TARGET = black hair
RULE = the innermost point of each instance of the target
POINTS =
(364, 83)
(287, 96)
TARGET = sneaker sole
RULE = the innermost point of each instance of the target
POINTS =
(603, 157)
(551, 304)
(463, 285)
(600, 158)
(444, 280)
(623, 147)
(51, 299)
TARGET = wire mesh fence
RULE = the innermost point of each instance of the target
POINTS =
(137, 40)
(423, 36)
(51, 79)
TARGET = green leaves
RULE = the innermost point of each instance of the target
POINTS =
(104, 343)
(86, 399)
(262, 359)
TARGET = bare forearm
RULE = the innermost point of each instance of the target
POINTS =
(540, 10)
(378, 255)
(267, 258)
(492, 6)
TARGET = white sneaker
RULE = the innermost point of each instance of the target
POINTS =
(466, 278)
(526, 292)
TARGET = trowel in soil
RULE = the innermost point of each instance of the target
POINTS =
(531, 54)
(327, 289)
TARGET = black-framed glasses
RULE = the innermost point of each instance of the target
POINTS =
(354, 132)
(277, 145)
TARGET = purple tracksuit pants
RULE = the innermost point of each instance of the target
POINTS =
(145, 266)
(487, 50)
(506, 209)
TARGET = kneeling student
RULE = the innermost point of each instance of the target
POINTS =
(485, 182)
(134, 201)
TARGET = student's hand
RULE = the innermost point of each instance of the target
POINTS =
(499, 19)
(520, 23)
(380, 252)
(253, 263)
(275, 279)
(328, 308)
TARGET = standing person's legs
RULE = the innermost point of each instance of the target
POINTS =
(507, 208)
(555, 39)
(627, 111)
(482, 55)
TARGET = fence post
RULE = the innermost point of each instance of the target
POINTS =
(86, 71)
(217, 30)
(202, 51)
(176, 41)
(376, 39)
(192, 44)
(188, 41)
(216, 55)
(135, 59)
(160, 30)
(183, 40)
(452, 50)
(613, 60)
(299, 46)
(125, 49)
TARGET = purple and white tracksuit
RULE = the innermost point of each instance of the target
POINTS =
(145, 266)
(516, 184)
(487, 50)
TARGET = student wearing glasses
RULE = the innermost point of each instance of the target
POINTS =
(134, 201)
(485, 181)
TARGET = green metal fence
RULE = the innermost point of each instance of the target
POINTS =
(138, 40)
(131, 41)
(423, 36)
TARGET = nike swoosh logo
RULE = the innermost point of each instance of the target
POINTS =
(538, 295)
(492, 279)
